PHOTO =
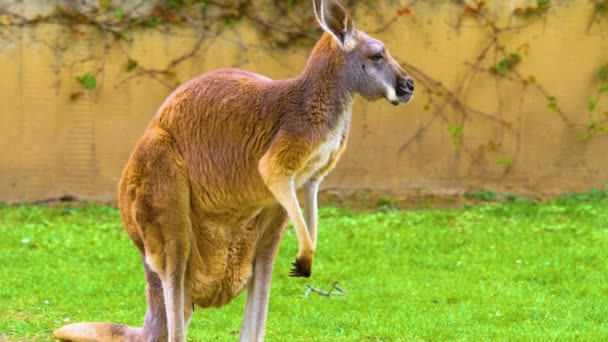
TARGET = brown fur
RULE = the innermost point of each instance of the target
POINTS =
(201, 195)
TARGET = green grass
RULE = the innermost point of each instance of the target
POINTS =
(515, 270)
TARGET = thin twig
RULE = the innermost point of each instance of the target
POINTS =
(335, 289)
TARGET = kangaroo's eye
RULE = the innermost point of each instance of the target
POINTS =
(377, 57)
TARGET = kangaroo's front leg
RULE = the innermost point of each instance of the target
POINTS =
(311, 189)
(283, 189)
(277, 168)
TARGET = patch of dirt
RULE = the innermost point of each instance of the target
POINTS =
(362, 200)
(373, 200)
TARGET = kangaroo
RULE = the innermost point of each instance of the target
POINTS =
(208, 190)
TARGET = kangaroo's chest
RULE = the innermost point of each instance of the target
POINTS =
(325, 153)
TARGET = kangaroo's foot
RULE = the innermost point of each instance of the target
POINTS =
(302, 267)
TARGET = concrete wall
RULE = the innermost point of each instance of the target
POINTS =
(58, 138)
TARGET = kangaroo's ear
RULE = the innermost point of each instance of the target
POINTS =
(335, 19)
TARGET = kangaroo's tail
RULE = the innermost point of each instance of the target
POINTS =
(91, 332)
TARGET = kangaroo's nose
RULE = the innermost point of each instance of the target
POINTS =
(409, 83)
(405, 86)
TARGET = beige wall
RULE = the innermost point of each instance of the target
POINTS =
(52, 145)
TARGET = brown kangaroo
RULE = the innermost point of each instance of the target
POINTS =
(208, 191)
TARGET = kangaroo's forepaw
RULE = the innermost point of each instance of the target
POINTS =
(301, 268)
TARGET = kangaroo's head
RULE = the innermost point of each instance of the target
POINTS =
(370, 70)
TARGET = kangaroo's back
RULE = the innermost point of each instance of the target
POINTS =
(222, 123)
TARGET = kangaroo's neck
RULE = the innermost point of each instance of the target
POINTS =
(323, 81)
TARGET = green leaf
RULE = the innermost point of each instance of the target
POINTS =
(505, 161)
(585, 136)
(87, 80)
(502, 66)
(131, 64)
(514, 58)
(118, 14)
(124, 34)
(592, 104)
(456, 132)
(229, 23)
(507, 63)
(173, 3)
(553, 106)
(604, 87)
(543, 3)
(153, 22)
(604, 73)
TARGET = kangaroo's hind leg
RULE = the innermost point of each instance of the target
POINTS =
(155, 321)
(272, 221)
(155, 203)
(167, 248)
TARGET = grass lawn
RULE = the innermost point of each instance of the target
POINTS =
(516, 270)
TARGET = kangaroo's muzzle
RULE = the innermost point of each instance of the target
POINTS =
(404, 90)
